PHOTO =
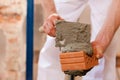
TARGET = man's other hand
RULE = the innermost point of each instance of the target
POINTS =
(97, 49)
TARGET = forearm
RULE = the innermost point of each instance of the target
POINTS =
(48, 7)
(110, 26)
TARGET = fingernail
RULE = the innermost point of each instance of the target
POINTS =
(98, 56)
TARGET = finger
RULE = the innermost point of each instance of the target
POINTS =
(60, 18)
(55, 18)
(99, 52)
(49, 28)
(46, 28)
(52, 33)
(99, 56)
(52, 26)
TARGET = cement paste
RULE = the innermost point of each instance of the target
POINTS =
(73, 37)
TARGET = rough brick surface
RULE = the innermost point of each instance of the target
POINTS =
(77, 61)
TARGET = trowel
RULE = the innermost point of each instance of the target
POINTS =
(73, 39)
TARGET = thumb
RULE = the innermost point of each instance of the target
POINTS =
(97, 49)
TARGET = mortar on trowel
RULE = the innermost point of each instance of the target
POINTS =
(73, 39)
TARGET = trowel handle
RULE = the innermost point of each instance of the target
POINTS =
(41, 30)
(72, 77)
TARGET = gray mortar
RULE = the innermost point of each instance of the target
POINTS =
(73, 37)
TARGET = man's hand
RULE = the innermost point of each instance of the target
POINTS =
(97, 50)
(49, 24)
(50, 16)
(110, 26)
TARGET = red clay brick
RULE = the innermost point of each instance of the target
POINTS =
(77, 61)
(71, 54)
(72, 60)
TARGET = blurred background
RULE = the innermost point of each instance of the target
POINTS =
(13, 41)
